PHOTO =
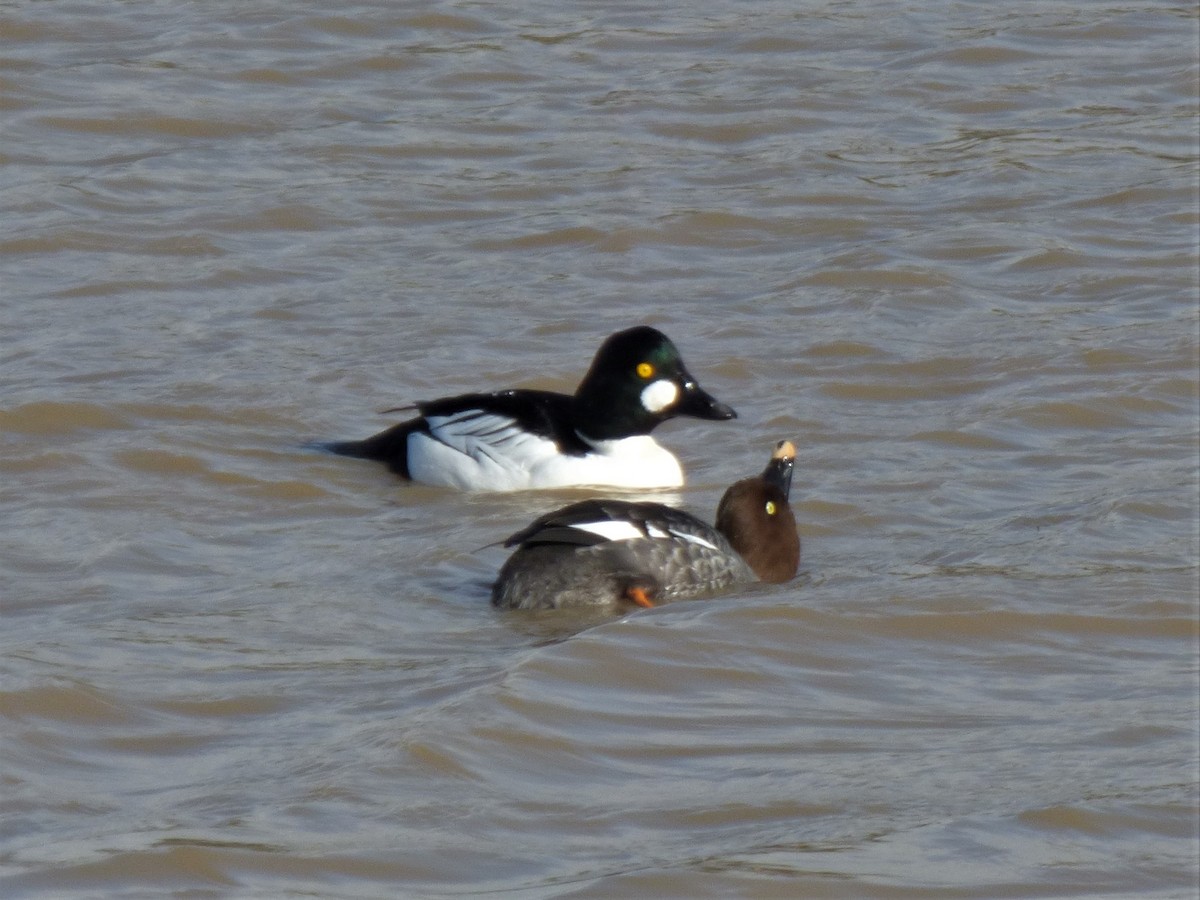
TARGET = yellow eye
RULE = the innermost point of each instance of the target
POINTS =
(770, 507)
(645, 370)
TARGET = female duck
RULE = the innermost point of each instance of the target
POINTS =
(620, 553)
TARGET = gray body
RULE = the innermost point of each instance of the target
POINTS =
(559, 565)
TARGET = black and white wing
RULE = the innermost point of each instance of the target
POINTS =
(504, 428)
(502, 425)
(592, 522)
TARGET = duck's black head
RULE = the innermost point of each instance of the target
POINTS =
(757, 518)
(638, 380)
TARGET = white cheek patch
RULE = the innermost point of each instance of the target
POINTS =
(660, 394)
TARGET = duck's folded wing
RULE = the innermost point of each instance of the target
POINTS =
(563, 526)
(502, 418)
(591, 522)
(486, 436)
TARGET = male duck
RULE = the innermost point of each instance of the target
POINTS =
(616, 553)
(519, 439)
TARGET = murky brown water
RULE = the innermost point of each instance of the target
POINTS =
(950, 250)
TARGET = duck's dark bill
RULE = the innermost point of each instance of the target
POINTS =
(700, 404)
(779, 470)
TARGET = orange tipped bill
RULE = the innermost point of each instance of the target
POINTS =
(784, 450)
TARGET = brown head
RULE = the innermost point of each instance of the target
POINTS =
(757, 519)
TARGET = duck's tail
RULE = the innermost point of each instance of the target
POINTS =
(389, 447)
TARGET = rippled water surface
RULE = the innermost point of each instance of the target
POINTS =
(949, 249)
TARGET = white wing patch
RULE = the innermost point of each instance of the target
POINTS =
(477, 450)
(621, 530)
(470, 430)
(612, 530)
(491, 438)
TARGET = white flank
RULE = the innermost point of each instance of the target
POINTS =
(633, 462)
(477, 453)
(660, 394)
(490, 452)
